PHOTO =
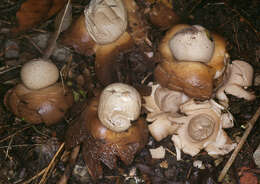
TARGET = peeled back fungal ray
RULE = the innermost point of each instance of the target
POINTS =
(194, 61)
(240, 76)
(162, 104)
(202, 128)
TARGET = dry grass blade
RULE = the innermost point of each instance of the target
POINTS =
(245, 19)
(46, 170)
(65, 177)
(250, 124)
(34, 177)
(14, 134)
(54, 37)
(51, 165)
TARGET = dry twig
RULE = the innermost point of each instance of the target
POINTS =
(52, 42)
(14, 134)
(35, 176)
(51, 165)
(246, 20)
(73, 157)
(250, 125)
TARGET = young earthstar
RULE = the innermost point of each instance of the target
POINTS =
(109, 128)
(194, 61)
(106, 29)
(40, 98)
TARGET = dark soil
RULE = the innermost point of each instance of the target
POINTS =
(27, 149)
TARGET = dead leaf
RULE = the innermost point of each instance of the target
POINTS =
(247, 177)
(33, 12)
(167, 3)
(57, 5)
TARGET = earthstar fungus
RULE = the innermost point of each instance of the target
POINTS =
(202, 128)
(101, 144)
(39, 98)
(106, 29)
(194, 61)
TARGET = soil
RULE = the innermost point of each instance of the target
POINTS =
(25, 150)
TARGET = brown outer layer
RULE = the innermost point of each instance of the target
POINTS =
(137, 27)
(196, 79)
(78, 38)
(46, 105)
(162, 16)
(105, 58)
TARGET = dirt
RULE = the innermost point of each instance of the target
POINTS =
(27, 149)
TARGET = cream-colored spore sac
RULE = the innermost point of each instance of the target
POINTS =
(119, 105)
(38, 73)
(106, 20)
(192, 44)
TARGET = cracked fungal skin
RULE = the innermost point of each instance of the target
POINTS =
(101, 145)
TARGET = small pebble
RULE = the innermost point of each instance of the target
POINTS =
(198, 164)
(41, 40)
(61, 54)
(256, 156)
(257, 80)
(164, 164)
(81, 172)
(11, 49)
(157, 153)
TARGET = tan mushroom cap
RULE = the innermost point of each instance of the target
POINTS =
(119, 104)
(194, 78)
(39, 73)
(192, 44)
(185, 138)
(106, 20)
